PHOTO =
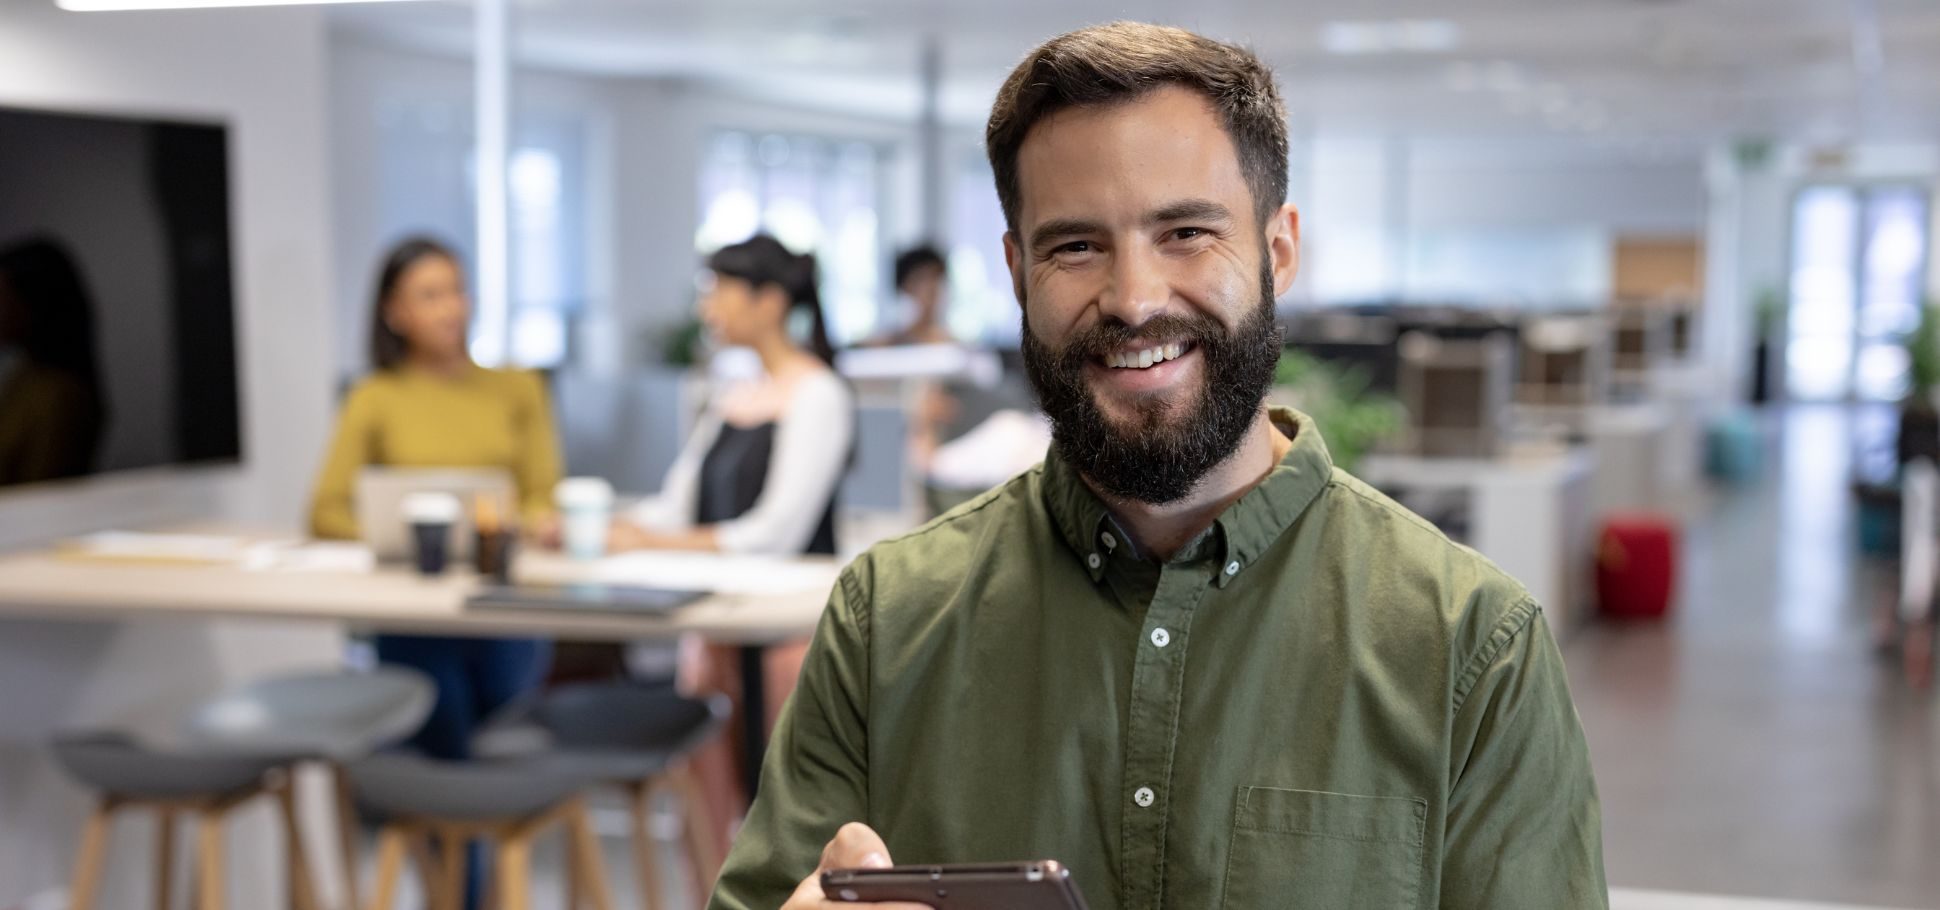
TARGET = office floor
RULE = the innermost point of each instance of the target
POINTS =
(1755, 744)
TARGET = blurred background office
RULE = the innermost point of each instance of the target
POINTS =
(1634, 296)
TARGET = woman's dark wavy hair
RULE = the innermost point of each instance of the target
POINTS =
(387, 347)
(761, 260)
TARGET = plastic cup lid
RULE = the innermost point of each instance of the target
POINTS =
(432, 507)
(583, 492)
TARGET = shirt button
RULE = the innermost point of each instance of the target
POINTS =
(1110, 541)
(1161, 638)
(1232, 568)
(1093, 560)
(1144, 797)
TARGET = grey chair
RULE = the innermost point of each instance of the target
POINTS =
(324, 716)
(633, 736)
(236, 747)
(432, 809)
(328, 715)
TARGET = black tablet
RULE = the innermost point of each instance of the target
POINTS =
(584, 598)
(1041, 885)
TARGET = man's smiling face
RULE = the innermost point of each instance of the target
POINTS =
(1147, 282)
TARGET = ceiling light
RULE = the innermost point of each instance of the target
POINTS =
(91, 6)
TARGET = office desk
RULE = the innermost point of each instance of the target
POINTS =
(45, 584)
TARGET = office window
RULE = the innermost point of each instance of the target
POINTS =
(814, 195)
(428, 180)
(983, 301)
(1858, 267)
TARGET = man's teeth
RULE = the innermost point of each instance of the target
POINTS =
(1141, 359)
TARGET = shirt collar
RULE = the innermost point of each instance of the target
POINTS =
(1241, 533)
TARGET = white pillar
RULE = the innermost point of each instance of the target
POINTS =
(1746, 252)
(492, 115)
(930, 144)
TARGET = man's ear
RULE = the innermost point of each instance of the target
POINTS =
(1014, 260)
(1283, 247)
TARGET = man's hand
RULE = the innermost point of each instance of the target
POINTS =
(854, 847)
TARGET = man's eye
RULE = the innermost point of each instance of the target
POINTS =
(1075, 246)
(1187, 233)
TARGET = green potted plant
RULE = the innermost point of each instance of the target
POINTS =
(1919, 416)
(1352, 418)
(1768, 315)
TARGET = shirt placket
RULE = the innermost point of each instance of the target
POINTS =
(1158, 676)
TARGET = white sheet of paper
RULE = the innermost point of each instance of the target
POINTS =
(716, 573)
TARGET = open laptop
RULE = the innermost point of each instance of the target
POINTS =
(380, 504)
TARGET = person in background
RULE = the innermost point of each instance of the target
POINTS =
(426, 404)
(923, 277)
(51, 404)
(759, 473)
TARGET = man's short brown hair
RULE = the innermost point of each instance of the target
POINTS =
(1120, 62)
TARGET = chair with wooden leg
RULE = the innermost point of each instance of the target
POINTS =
(327, 716)
(435, 808)
(638, 738)
(207, 788)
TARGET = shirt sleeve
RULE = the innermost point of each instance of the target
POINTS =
(812, 447)
(672, 509)
(816, 776)
(1524, 826)
(332, 512)
(538, 468)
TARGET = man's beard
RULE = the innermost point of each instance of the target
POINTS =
(1169, 446)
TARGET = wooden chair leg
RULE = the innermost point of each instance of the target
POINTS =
(418, 846)
(588, 866)
(212, 876)
(164, 858)
(646, 853)
(346, 834)
(88, 859)
(453, 868)
(570, 881)
(303, 895)
(390, 863)
(513, 869)
(703, 842)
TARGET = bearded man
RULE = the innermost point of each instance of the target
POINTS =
(1186, 657)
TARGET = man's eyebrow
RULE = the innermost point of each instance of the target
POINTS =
(1189, 210)
(1058, 228)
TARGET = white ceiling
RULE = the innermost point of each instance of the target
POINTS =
(1641, 73)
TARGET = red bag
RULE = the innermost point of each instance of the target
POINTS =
(1636, 566)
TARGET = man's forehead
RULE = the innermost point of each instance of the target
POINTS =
(1165, 144)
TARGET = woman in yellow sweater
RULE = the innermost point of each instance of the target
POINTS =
(428, 405)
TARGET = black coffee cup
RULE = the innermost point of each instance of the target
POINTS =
(433, 545)
(432, 516)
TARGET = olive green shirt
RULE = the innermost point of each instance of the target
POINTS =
(1321, 702)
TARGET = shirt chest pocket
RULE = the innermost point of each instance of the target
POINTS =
(1306, 850)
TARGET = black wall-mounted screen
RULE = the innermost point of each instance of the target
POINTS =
(117, 302)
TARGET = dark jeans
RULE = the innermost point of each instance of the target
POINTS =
(475, 677)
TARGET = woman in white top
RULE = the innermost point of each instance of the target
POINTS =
(760, 472)
(758, 475)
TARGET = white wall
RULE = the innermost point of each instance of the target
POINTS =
(261, 71)
(1383, 217)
